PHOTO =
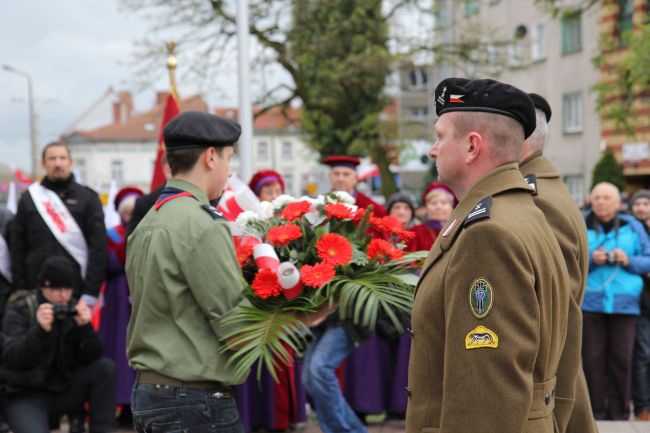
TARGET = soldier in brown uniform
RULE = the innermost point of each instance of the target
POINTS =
(491, 306)
(572, 406)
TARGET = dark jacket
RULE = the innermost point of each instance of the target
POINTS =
(142, 206)
(33, 242)
(6, 287)
(645, 295)
(34, 360)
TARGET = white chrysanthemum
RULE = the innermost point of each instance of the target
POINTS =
(352, 207)
(282, 200)
(340, 197)
(245, 217)
(266, 210)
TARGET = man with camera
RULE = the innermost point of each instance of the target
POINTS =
(51, 356)
(619, 252)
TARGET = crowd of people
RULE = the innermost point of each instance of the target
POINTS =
(110, 331)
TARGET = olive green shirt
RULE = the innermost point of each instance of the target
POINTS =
(184, 278)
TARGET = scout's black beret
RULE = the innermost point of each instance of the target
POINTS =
(542, 104)
(195, 129)
(57, 272)
(487, 96)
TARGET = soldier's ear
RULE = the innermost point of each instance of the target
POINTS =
(474, 146)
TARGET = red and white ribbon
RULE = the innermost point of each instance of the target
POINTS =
(265, 257)
(289, 279)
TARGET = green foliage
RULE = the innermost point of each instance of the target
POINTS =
(340, 53)
(607, 169)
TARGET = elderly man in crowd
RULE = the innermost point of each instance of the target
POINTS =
(619, 252)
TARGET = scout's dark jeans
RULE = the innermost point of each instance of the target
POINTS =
(607, 345)
(641, 365)
(171, 409)
(94, 383)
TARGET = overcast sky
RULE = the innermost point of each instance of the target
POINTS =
(74, 50)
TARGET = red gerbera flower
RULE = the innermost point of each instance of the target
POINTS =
(295, 210)
(356, 216)
(392, 225)
(338, 210)
(266, 284)
(383, 251)
(282, 235)
(244, 248)
(334, 249)
(317, 275)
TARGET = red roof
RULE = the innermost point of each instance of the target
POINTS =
(141, 126)
(274, 119)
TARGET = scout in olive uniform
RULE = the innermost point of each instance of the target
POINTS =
(491, 306)
(184, 278)
(572, 406)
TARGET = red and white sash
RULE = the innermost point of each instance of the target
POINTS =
(5, 261)
(61, 223)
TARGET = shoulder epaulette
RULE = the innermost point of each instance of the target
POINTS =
(479, 212)
(215, 214)
(531, 180)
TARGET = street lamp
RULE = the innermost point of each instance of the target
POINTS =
(33, 129)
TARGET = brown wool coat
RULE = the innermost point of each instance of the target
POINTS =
(505, 389)
(572, 407)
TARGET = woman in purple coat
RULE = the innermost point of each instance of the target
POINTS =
(116, 308)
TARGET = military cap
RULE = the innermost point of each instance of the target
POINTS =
(196, 129)
(542, 104)
(342, 161)
(56, 272)
(486, 96)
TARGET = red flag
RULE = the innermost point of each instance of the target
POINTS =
(171, 111)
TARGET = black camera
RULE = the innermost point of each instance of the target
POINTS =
(63, 311)
(611, 257)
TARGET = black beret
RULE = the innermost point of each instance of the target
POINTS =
(486, 96)
(542, 104)
(57, 272)
(195, 129)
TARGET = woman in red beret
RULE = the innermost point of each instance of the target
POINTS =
(271, 406)
(116, 309)
(439, 202)
(267, 184)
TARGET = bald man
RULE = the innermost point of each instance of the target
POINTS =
(619, 252)
(572, 409)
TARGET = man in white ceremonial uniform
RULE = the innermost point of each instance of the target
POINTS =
(58, 216)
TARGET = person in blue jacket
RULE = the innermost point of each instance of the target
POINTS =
(619, 253)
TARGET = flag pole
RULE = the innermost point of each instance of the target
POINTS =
(171, 65)
(245, 109)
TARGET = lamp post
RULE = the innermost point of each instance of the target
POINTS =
(33, 127)
(245, 109)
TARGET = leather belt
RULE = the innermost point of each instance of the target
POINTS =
(153, 378)
(543, 399)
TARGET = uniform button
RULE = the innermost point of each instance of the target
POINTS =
(547, 399)
(411, 333)
(407, 390)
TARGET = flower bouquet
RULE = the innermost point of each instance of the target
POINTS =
(301, 255)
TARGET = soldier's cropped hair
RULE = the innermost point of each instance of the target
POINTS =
(183, 160)
(506, 135)
(54, 144)
(539, 138)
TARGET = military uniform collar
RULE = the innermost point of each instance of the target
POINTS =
(503, 178)
(538, 165)
(189, 187)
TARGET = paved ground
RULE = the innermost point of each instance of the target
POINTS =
(397, 427)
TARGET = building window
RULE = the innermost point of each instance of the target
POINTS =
(576, 185)
(625, 13)
(471, 7)
(287, 150)
(262, 150)
(418, 78)
(117, 171)
(538, 42)
(80, 168)
(572, 113)
(288, 183)
(493, 58)
(471, 68)
(572, 33)
(516, 53)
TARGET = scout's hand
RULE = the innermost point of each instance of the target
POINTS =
(83, 314)
(621, 257)
(45, 316)
(319, 316)
(599, 256)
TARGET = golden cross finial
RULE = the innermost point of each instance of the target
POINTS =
(171, 65)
